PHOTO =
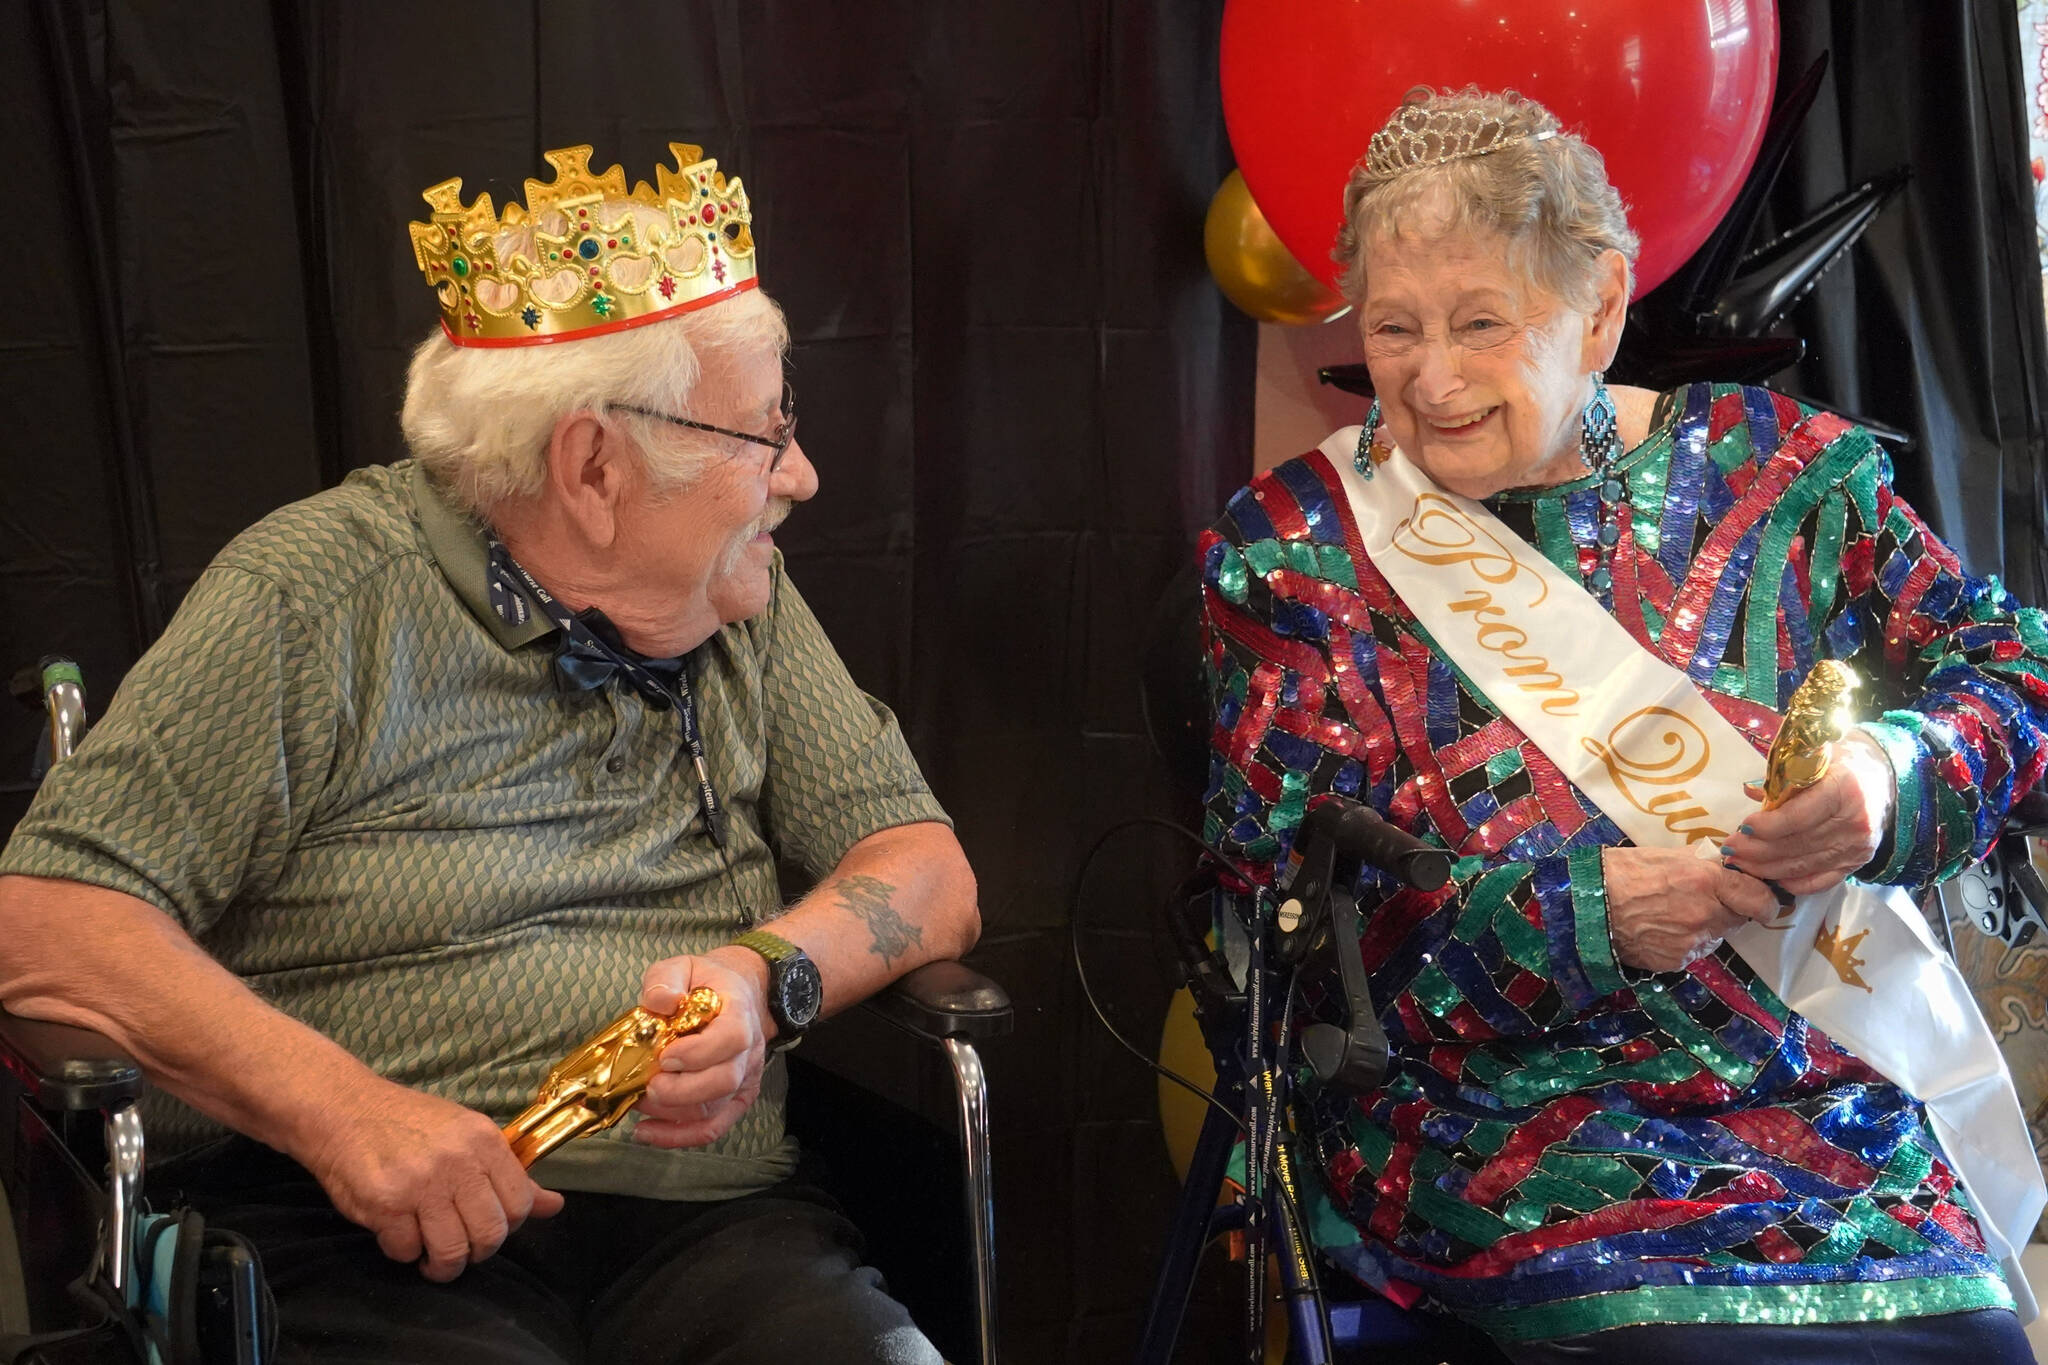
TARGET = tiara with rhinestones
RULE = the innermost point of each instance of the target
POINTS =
(1420, 135)
(582, 256)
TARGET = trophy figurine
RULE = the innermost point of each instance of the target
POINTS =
(592, 1088)
(1817, 715)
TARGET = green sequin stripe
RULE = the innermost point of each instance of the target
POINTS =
(1689, 1034)
(1462, 1220)
(1904, 1172)
(1230, 575)
(1554, 536)
(1646, 487)
(1540, 1083)
(1760, 621)
(1589, 916)
(1264, 556)
(1485, 898)
(1903, 750)
(1862, 1221)
(1780, 1304)
(1824, 565)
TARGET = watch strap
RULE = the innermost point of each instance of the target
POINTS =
(774, 947)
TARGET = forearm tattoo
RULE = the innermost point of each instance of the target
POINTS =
(867, 900)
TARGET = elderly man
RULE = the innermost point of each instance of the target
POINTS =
(438, 770)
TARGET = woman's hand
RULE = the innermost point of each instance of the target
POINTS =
(1824, 833)
(1669, 907)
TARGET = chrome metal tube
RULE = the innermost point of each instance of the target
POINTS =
(972, 1086)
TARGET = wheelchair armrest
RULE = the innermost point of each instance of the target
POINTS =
(68, 1068)
(945, 1000)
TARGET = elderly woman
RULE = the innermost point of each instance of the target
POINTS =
(1604, 1135)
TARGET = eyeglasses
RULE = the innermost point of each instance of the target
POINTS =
(779, 442)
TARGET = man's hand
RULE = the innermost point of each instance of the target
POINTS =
(437, 1183)
(710, 1078)
(1669, 907)
(1825, 832)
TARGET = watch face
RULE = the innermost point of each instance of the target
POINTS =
(800, 991)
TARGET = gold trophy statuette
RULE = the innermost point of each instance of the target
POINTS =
(1817, 715)
(592, 1088)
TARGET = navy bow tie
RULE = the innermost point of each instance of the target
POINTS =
(585, 666)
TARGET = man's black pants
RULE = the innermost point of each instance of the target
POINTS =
(775, 1277)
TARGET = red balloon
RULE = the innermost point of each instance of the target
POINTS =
(1674, 96)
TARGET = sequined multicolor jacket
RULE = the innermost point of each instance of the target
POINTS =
(1565, 1144)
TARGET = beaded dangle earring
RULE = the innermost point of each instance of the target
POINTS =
(1362, 461)
(1600, 447)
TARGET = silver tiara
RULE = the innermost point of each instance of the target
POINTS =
(1419, 136)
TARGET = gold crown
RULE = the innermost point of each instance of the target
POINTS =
(582, 256)
(1418, 136)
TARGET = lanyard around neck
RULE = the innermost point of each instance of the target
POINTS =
(646, 681)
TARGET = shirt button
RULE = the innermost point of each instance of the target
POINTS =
(615, 764)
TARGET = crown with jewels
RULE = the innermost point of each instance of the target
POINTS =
(582, 256)
(1419, 135)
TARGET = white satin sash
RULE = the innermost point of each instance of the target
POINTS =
(1636, 736)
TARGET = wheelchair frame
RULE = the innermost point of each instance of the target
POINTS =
(68, 1070)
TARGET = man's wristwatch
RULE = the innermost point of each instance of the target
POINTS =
(795, 991)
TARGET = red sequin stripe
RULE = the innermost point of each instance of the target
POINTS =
(1635, 1215)
(1959, 1223)
(1653, 585)
(1525, 990)
(1242, 627)
(1337, 603)
(1344, 1168)
(1750, 1187)
(1518, 1156)
(1261, 779)
(1381, 746)
(1280, 508)
(1901, 631)
(1789, 411)
(1931, 545)
(1398, 1174)
(1784, 1134)
(1467, 752)
(1777, 1247)
(1412, 1017)
(1628, 602)
(1388, 927)
(1404, 678)
(1689, 613)
(1712, 973)
(1519, 815)
(1262, 698)
(1726, 412)
(1554, 790)
(1469, 1024)
(1759, 724)
(1703, 1090)
(1333, 735)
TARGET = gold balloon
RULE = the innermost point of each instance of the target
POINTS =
(1253, 269)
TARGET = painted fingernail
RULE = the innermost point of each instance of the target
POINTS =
(1746, 830)
(1727, 852)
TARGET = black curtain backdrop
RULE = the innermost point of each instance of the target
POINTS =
(1933, 322)
(1022, 393)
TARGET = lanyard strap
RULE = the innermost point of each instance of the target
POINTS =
(644, 679)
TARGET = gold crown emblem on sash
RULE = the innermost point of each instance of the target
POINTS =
(583, 256)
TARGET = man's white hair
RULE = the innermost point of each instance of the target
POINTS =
(480, 418)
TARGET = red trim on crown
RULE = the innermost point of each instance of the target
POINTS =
(623, 324)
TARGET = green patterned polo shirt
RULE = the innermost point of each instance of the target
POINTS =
(365, 794)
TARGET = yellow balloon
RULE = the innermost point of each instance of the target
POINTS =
(1253, 269)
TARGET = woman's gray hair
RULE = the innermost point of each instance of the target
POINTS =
(1542, 188)
(480, 418)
